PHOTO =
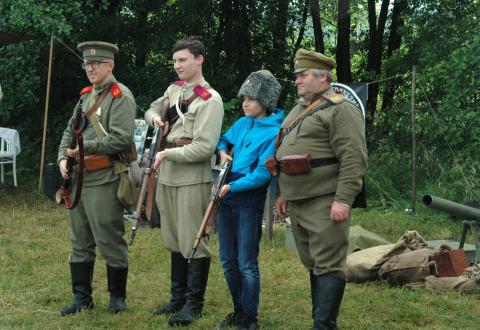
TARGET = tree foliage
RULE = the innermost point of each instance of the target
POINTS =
(371, 40)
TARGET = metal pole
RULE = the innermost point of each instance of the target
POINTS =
(45, 120)
(414, 163)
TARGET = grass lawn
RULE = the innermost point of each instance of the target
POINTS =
(35, 279)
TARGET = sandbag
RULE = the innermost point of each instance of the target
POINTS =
(409, 267)
(461, 283)
(364, 265)
(361, 264)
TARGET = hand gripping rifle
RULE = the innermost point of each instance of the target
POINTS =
(208, 221)
(77, 140)
(147, 172)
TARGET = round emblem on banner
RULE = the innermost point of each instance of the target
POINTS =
(350, 95)
(92, 51)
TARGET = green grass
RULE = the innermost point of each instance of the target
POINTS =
(35, 281)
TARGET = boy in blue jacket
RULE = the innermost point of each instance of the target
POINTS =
(243, 196)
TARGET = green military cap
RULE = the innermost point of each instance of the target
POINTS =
(97, 50)
(305, 59)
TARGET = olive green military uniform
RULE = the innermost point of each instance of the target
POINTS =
(334, 132)
(97, 220)
(184, 177)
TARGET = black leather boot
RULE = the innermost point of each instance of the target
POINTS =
(82, 275)
(196, 285)
(117, 286)
(327, 294)
(178, 278)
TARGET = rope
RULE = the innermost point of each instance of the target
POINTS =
(383, 191)
(72, 51)
(392, 77)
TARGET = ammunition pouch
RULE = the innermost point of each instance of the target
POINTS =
(180, 142)
(272, 165)
(295, 164)
(94, 162)
(302, 164)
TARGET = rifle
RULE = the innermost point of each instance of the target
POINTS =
(209, 217)
(147, 173)
(77, 140)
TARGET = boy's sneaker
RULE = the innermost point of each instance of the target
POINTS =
(248, 324)
(230, 320)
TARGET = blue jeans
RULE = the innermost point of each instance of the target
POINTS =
(239, 232)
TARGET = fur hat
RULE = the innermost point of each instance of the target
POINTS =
(263, 87)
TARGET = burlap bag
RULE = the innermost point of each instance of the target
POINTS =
(364, 265)
(461, 283)
(409, 267)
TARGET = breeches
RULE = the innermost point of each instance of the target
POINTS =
(98, 221)
(181, 212)
(321, 243)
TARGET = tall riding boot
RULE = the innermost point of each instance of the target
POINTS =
(117, 286)
(327, 294)
(82, 275)
(196, 285)
(178, 277)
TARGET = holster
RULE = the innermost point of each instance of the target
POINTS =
(272, 165)
(296, 164)
(94, 162)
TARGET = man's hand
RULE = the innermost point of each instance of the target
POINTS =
(73, 152)
(339, 211)
(224, 157)
(281, 207)
(225, 189)
(157, 121)
(159, 157)
(63, 168)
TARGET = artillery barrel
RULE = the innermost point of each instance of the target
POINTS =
(458, 210)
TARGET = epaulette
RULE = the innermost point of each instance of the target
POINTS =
(87, 89)
(334, 97)
(202, 92)
(116, 91)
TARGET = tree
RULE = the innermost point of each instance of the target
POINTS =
(344, 73)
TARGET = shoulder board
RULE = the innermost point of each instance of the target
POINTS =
(202, 92)
(87, 89)
(116, 91)
(333, 97)
(179, 82)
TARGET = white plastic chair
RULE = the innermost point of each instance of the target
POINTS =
(8, 156)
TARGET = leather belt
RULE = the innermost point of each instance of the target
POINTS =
(178, 143)
(317, 162)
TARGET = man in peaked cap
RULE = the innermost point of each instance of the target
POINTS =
(320, 193)
(97, 221)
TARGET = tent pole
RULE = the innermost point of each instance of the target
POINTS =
(47, 99)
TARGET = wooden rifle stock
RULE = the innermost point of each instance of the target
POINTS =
(147, 173)
(208, 221)
(77, 140)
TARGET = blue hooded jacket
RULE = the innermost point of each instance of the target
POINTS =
(253, 141)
